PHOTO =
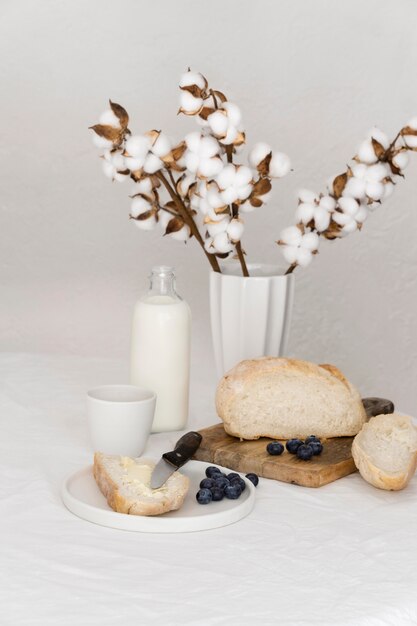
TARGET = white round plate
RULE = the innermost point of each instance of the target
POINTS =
(82, 497)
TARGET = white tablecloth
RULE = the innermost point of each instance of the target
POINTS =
(341, 554)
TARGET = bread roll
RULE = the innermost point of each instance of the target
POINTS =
(285, 398)
(385, 451)
(125, 483)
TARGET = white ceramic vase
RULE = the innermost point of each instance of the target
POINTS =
(250, 317)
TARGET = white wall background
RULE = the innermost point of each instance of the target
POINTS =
(311, 78)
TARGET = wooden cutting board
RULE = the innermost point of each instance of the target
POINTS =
(251, 456)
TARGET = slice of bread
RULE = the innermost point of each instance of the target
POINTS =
(285, 398)
(385, 451)
(125, 483)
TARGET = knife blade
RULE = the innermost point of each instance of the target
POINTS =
(171, 461)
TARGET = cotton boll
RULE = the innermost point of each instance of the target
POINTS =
(310, 241)
(247, 207)
(162, 145)
(235, 230)
(148, 224)
(279, 165)
(305, 195)
(361, 214)
(243, 175)
(366, 152)
(230, 136)
(233, 113)
(152, 164)
(410, 141)
(327, 203)
(215, 217)
(222, 243)
(209, 147)
(226, 177)
(181, 235)
(189, 104)
(185, 183)
(109, 169)
(375, 191)
(244, 191)
(139, 205)
(192, 161)
(355, 188)
(208, 245)
(321, 219)
(120, 178)
(134, 164)
(214, 228)
(144, 186)
(303, 257)
(218, 123)
(341, 218)
(209, 168)
(229, 195)
(290, 254)
(201, 122)
(304, 212)
(118, 161)
(108, 118)
(164, 219)
(101, 142)
(265, 197)
(137, 146)
(258, 153)
(350, 227)
(349, 206)
(400, 160)
(214, 198)
(388, 190)
(192, 78)
(377, 134)
(377, 172)
(359, 170)
(291, 236)
(193, 141)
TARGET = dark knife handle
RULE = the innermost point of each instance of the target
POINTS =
(184, 449)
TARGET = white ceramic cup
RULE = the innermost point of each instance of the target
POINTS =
(120, 418)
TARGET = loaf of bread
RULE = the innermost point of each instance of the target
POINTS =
(285, 398)
(125, 483)
(385, 451)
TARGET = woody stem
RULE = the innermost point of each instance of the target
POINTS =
(291, 269)
(188, 219)
(235, 213)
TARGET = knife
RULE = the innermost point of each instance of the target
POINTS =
(171, 461)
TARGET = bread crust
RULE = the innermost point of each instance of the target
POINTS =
(237, 384)
(172, 501)
(376, 476)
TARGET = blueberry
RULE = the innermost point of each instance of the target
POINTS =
(232, 491)
(317, 447)
(275, 448)
(312, 438)
(207, 483)
(217, 494)
(292, 445)
(204, 496)
(232, 475)
(253, 478)
(212, 470)
(221, 482)
(305, 452)
(239, 481)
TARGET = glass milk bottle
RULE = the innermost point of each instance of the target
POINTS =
(160, 353)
